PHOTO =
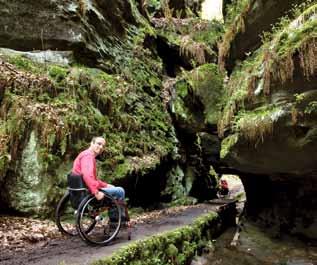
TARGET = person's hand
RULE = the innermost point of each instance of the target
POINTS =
(99, 195)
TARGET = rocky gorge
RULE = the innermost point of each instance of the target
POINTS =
(179, 99)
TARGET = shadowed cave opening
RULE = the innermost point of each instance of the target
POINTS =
(170, 55)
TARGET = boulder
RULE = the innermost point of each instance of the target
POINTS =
(243, 34)
(51, 57)
(31, 190)
(85, 27)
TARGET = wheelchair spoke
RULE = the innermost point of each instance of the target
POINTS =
(98, 222)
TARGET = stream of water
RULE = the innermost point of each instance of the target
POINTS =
(258, 247)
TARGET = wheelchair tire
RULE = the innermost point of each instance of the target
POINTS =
(105, 228)
(65, 216)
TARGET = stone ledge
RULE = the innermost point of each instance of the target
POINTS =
(179, 245)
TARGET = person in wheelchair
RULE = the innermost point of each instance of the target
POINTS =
(85, 166)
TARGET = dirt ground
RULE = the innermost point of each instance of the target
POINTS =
(57, 250)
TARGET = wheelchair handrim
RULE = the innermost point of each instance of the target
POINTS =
(83, 208)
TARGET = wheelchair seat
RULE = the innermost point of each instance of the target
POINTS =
(76, 188)
(75, 182)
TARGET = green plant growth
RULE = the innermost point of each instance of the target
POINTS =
(311, 108)
(304, 107)
(256, 125)
(272, 63)
(25, 64)
(226, 145)
(234, 24)
(234, 9)
(204, 85)
(174, 185)
(196, 38)
(4, 150)
(207, 84)
(66, 106)
(174, 247)
(58, 73)
(153, 6)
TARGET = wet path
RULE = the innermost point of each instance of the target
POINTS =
(73, 251)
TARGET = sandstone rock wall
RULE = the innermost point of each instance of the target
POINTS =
(86, 27)
(269, 125)
(243, 35)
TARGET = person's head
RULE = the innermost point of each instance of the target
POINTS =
(97, 145)
(223, 183)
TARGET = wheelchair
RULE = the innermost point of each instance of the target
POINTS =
(96, 222)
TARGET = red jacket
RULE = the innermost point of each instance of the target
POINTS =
(85, 165)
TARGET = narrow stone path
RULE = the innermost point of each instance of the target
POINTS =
(73, 251)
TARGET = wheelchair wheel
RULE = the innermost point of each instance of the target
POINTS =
(98, 222)
(65, 216)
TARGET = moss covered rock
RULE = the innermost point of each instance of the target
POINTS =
(197, 98)
(178, 246)
(269, 126)
(191, 42)
(64, 106)
(245, 22)
(266, 107)
(88, 28)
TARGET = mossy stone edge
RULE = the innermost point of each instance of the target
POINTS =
(185, 243)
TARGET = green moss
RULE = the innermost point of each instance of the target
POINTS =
(172, 250)
(80, 108)
(252, 82)
(235, 9)
(293, 37)
(174, 247)
(201, 31)
(58, 73)
(174, 187)
(185, 200)
(311, 108)
(199, 94)
(196, 38)
(182, 88)
(23, 63)
(153, 6)
(122, 169)
(4, 150)
(209, 33)
(66, 106)
(234, 24)
(256, 125)
(226, 145)
(207, 83)
(144, 24)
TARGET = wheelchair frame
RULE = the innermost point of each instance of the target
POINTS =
(97, 222)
